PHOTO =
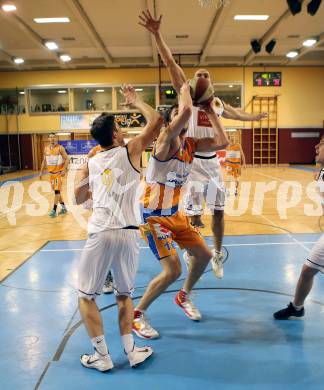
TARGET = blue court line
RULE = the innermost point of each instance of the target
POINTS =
(302, 168)
(22, 178)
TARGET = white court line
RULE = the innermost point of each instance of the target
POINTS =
(147, 247)
(288, 234)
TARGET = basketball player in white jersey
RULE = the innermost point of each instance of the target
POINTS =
(56, 160)
(206, 171)
(314, 262)
(112, 242)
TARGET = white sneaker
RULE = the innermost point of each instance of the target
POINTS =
(217, 263)
(142, 328)
(108, 287)
(102, 364)
(138, 355)
(187, 258)
(182, 299)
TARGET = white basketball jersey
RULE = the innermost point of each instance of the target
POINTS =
(114, 183)
(200, 127)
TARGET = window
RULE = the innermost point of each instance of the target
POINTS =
(49, 100)
(230, 93)
(11, 102)
(92, 99)
(147, 94)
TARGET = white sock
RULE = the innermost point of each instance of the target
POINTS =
(128, 342)
(297, 307)
(99, 343)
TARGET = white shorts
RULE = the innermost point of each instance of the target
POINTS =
(315, 258)
(205, 184)
(114, 250)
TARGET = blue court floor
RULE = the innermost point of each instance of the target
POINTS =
(237, 345)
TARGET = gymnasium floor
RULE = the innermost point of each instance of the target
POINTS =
(237, 345)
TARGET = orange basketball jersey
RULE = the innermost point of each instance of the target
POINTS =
(233, 154)
(54, 159)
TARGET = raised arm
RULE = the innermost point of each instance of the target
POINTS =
(240, 115)
(154, 122)
(220, 140)
(153, 26)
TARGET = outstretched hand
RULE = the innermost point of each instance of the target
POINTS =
(263, 115)
(129, 94)
(151, 24)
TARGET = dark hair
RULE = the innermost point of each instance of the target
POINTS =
(52, 134)
(168, 116)
(102, 129)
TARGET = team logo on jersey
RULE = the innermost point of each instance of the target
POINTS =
(107, 178)
(162, 233)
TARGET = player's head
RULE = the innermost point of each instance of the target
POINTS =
(174, 112)
(320, 152)
(203, 73)
(106, 131)
(53, 139)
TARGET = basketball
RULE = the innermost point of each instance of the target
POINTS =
(201, 90)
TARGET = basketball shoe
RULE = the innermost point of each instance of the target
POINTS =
(52, 214)
(182, 299)
(138, 355)
(217, 263)
(100, 363)
(289, 313)
(108, 286)
(142, 328)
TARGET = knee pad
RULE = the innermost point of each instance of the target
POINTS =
(57, 192)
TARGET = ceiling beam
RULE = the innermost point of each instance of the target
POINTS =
(305, 50)
(85, 21)
(151, 5)
(211, 33)
(37, 39)
(269, 34)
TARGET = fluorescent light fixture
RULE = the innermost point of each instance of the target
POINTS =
(63, 134)
(62, 91)
(292, 54)
(52, 20)
(8, 7)
(22, 93)
(19, 60)
(51, 45)
(65, 57)
(230, 130)
(309, 42)
(138, 89)
(251, 17)
(231, 86)
(100, 90)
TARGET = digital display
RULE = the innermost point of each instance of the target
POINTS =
(267, 79)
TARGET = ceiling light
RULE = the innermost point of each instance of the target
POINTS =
(251, 17)
(63, 134)
(270, 46)
(294, 6)
(134, 132)
(256, 46)
(231, 86)
(313, 7)
(100, 90)
(51, 45)
(138, 89)
(52, 20)
(61, 91)
(22, 93)
(309, 42)
(292, 54)
(19, 60)
(65, 57)
(8, 7)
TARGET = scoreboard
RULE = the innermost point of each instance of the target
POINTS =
(267, 79)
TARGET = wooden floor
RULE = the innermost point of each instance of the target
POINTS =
(21, 239)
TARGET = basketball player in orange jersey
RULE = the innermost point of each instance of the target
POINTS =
(206, 168)
(163, 222)
(56, 160)
(233, 162)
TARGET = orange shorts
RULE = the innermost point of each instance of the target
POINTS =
(161, 232)
(233, 170)
(56, 180)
